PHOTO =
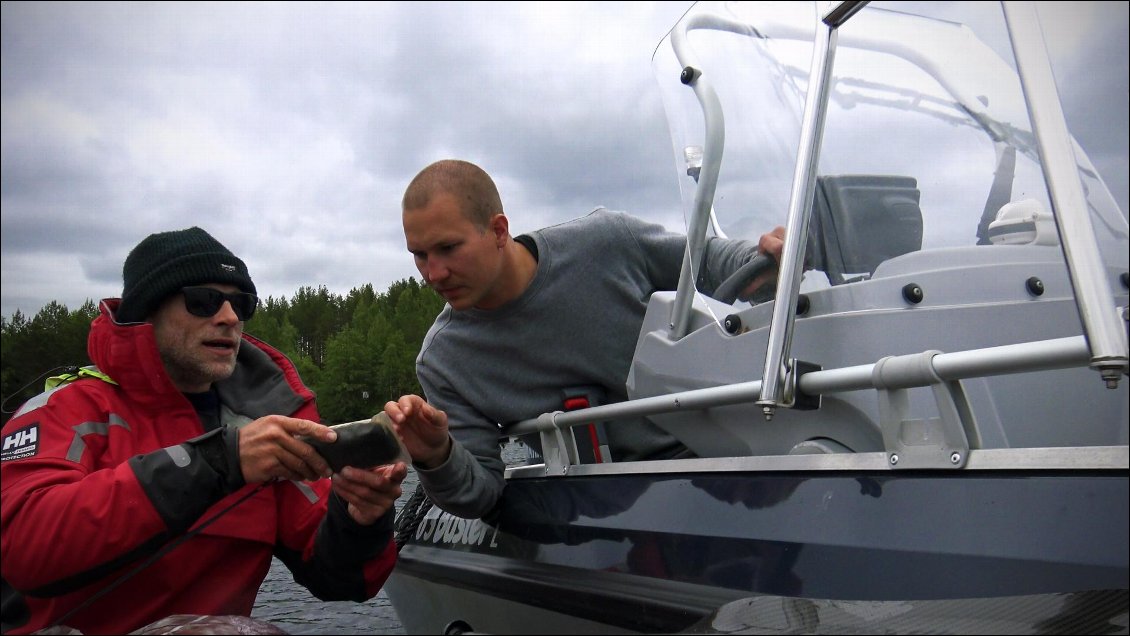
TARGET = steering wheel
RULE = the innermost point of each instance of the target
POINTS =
(728, 291)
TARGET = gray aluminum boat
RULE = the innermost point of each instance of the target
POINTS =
(923, 430)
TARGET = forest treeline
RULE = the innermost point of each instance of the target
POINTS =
(355, 351)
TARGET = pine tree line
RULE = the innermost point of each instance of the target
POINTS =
(356, 352)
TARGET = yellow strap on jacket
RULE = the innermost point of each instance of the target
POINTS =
(83, 372)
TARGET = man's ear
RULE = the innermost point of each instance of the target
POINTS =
(500, 228)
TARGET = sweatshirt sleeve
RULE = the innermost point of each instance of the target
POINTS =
(466, 485)
(663, 253)
(470, 482)
(661, 250)
(722, 258)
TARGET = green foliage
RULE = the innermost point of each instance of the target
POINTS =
(317, 314)
(355, 353)
(30, 350)
(373, 358)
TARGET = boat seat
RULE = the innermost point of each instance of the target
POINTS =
(859, 221)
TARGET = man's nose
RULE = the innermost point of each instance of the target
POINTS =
(436, 270)
(226, 314)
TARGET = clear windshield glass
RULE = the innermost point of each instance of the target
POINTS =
(927, 143)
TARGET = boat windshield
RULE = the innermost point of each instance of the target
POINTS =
(927, 143)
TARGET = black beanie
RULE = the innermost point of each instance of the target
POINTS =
(164, 262)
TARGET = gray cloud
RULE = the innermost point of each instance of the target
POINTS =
(289, 130)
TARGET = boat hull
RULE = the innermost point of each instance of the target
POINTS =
(669, 552)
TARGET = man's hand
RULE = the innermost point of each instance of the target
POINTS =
(268, 450)
(422, 427)
(771, 244)
(370, 492)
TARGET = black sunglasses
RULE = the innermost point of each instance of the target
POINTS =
(205, 302)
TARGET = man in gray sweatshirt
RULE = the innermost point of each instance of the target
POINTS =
(526, 318)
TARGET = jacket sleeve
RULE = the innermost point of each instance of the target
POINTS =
(328, 552)
(69, 519)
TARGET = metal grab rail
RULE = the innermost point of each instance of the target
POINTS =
(1025, 357)
(775, 373)
(1107, 338)
(713, 144)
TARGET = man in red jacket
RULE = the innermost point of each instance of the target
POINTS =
(163, 480)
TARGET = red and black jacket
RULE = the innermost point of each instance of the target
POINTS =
(97, 477)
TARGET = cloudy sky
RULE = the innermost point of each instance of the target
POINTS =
(290, 130)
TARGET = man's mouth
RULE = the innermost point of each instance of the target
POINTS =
(220, 344)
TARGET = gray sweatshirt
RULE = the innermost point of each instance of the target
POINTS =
(575, 325)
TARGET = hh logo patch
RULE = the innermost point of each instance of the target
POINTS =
(20, 444)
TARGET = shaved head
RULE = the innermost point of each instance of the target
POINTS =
(471, 186)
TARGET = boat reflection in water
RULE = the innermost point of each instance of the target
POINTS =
(924, 430)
